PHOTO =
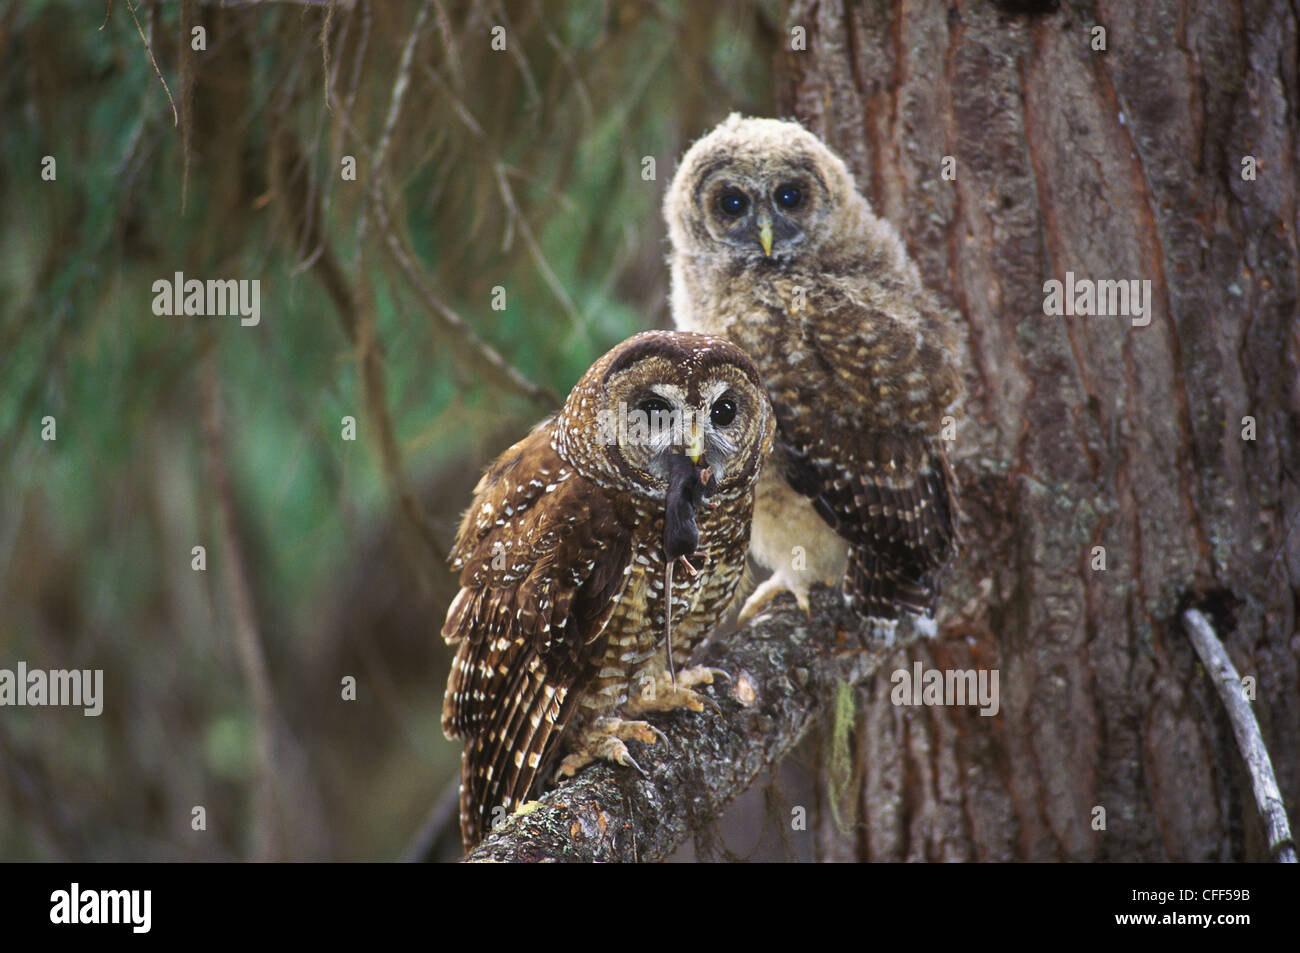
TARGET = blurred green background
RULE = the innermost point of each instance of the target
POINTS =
(476, 168)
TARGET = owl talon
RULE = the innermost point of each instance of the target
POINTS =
(700, 675)
(624, 757)
(658, 735)
(663, 695)
(769, 589)
(717, 709)
(604, 742)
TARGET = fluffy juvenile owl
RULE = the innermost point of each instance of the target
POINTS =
(775, 249)
(560, 620)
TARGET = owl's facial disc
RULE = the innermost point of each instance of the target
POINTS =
(707, 431)
(659, 420)
(658, 399)
(770, 216)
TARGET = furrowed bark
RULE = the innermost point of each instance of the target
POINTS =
(1171, 445)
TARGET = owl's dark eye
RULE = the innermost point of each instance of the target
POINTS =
(789, 195)
(654, 405)
(723, 412)
(733, 202)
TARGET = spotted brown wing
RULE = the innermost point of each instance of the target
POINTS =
(542, 564)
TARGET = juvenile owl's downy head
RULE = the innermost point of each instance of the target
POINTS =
(756, 189)
(662, 393)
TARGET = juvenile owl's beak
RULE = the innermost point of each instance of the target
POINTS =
(765, 234)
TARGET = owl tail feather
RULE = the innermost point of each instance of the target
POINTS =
(499, 766)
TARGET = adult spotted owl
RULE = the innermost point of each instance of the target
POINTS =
(560, 619)
(775, 249)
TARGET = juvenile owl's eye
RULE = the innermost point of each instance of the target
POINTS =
(733, 202)
(789, 195)
(653, 405)
(723, 412)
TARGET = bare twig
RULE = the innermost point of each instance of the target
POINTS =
(400, 86)
(514, 47)
(450, 46)
(149, 49)
(567, 61)
(455, 324)
(358, 58)
(534, 249)
(1268, 797)
(325, 53)
(355, 309)
(784, 668)
(375, 205)
(379, 155)
(514, 215)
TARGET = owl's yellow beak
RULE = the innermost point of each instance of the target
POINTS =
(765, 235)
(695, 445)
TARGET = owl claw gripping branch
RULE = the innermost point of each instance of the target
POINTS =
(570, 620)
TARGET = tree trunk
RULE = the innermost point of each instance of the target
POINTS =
(1084, 432)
